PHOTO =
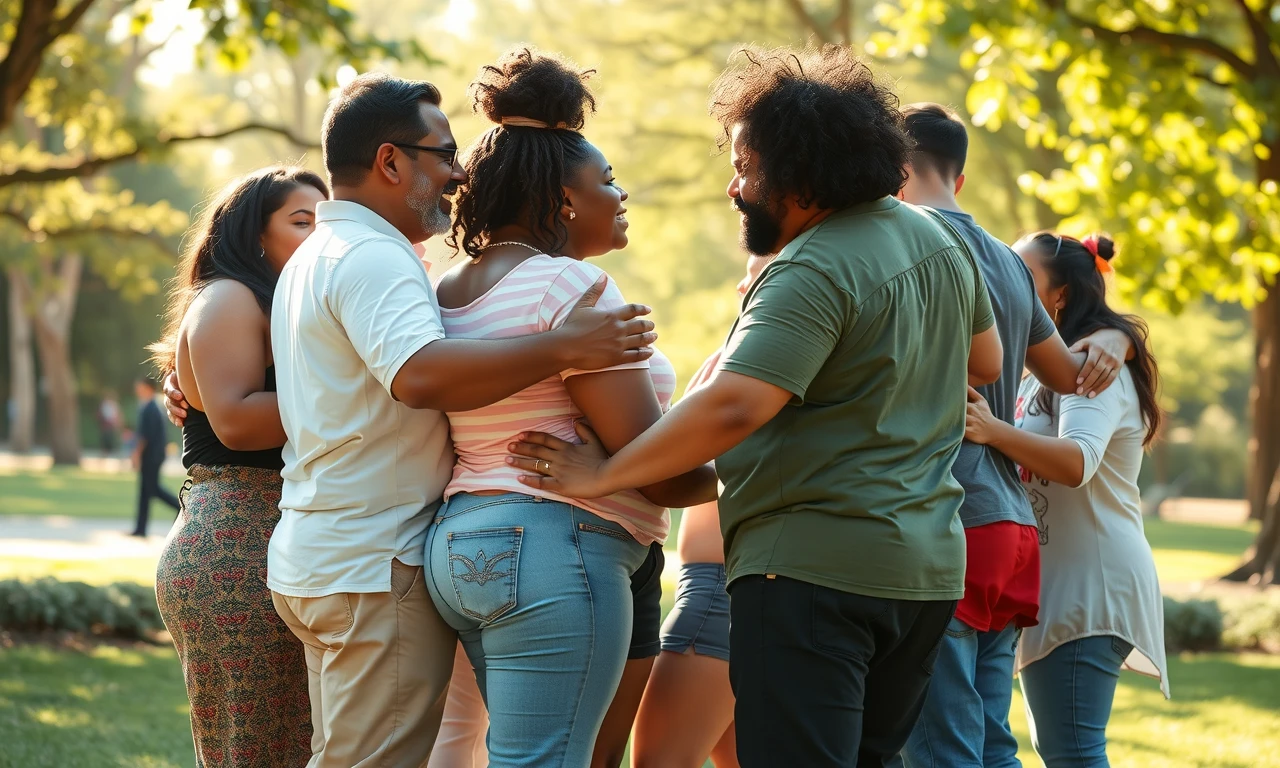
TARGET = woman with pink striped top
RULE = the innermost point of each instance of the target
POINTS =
(539, 588)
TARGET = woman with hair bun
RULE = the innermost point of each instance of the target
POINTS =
(540, 587)
(1100, 603)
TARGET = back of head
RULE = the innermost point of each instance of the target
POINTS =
(371, 110)
(517, 170)
(1081, 266)
(225, 244)
(939, 140)
(820, 123)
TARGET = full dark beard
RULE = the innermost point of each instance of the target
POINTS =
(761, 229)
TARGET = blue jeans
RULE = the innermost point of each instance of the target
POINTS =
(1069, 695)
(540, 593)
(965, 721)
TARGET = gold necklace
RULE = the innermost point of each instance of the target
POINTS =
(535, 250)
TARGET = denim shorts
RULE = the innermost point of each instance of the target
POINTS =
(646, 606)
(700, 618)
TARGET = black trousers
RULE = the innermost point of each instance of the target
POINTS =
(824, 677)
(149, 488)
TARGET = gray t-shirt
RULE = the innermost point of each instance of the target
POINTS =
(992, 490)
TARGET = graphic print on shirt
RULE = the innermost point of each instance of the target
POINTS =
(1040, 505)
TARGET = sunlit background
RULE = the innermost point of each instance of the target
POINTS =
(1157, 120)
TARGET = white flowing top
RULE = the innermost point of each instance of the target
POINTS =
(1097, 573)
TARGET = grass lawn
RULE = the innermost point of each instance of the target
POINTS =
(72, 492)
(125, 707)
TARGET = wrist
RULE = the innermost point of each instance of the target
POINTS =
(560, 348)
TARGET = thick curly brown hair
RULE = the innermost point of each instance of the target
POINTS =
(517, 174)
(820, 123)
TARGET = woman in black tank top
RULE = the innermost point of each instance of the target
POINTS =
(245, 672)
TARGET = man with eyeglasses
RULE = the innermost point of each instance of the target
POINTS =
(364, 372)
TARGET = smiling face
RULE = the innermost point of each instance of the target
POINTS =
(432, 176)
(289, 225)
(599, 222)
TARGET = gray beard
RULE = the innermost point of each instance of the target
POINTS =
(424, 200)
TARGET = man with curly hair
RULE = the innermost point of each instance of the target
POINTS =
(834, 417)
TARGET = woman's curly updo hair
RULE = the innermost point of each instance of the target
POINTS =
(821, 125)
(517, 173)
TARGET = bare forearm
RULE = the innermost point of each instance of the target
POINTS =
(702, 427)
(1054, 366)
(691, 488)
(249, 424)
(1055, 459)
(465, 374)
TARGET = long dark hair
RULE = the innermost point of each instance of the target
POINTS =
(1072, 263)
(517, 173)
(226, 246)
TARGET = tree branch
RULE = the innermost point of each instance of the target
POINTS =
(1262, 53)
(103, 230)
(88, 166)
(806, 20)
(22, 60)
(1176, 41)
(69, 20)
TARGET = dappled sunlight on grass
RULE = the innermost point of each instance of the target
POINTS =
(1188, 552)
(1225, 713)
(72, 492)
(109, 706)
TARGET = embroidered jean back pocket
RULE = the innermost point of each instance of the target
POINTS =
(483, 566)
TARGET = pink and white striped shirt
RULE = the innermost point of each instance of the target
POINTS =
(537, 295)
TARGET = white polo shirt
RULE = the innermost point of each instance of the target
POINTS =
(351, 306)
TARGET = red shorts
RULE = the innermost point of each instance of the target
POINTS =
(1002, 578)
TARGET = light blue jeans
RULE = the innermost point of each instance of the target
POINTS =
(540, 593)
(965, 721)
(1069, 695)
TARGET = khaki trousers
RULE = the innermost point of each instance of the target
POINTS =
(379, 667)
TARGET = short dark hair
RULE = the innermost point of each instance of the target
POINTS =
(821, 124)
(940, 139)
(147, 381)
(371, 110)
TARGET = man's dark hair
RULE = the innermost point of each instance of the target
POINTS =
(370, 111)
(940, 139)
(147, 381)
(820, 124)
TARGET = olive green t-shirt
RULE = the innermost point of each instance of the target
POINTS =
(867, 320)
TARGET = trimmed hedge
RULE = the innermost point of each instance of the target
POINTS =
(1192, 625)
(1246, 624)
(123, 609)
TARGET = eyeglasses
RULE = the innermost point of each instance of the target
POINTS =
(448, 153)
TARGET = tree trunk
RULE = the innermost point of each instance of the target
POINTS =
(1263, 485)
(55, 307)
(22, 366)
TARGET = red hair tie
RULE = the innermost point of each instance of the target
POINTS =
(1090, 244)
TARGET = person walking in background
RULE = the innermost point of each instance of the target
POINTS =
(149, 449)
(965, 720)
(245, 672)
(1100, 605)
(109, 422)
